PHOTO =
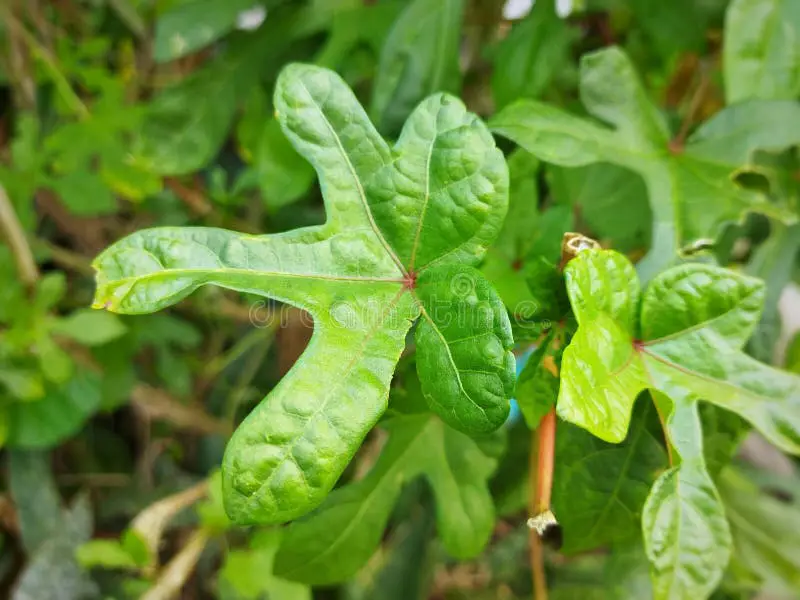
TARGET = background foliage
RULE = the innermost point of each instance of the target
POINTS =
(667, 131)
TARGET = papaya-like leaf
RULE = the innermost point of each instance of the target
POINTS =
(691, 191)
(331, 544)
(681, 339)
(398, 221)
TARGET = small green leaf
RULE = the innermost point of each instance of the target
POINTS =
(108, 554)
(283, 175)
(90, 328)
(331, 544)
(191, 25)
(761, 50)
(610, 201)
(437, 199)
(419, 57)
(464, 349)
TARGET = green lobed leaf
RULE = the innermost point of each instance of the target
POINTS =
(355, 275)
(694, 320)
(331, 544)
(691, 191)
(761, 52)
(419, 57)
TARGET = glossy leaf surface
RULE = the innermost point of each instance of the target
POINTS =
(681, 339)
(364, 276)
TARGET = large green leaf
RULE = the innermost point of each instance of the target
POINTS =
(761, 53)
(682, 340)
(419, 57)
(690, 188)
(398, 219)
(331, 544)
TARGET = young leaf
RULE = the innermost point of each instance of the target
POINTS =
(693, 321)
(331, 544)
(419, 57)
(398, 221)
(762, 50)
(537, 386)
(690, 188)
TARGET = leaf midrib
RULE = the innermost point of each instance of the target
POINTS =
(361, 193)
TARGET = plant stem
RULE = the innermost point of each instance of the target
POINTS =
(17, 242)
(545, 461)
(534, 539)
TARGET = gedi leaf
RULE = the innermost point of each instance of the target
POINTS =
(681, 339)
(690, 185)
(404, 224)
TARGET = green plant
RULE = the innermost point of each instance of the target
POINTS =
(606, 199)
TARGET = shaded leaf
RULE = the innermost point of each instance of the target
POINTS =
(331, 544)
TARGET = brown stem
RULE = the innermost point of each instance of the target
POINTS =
(545, 462)
(17, 242)
(534, 539)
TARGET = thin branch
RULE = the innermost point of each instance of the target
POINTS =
(173, 577)
(157, 404)
(17, 242)
(153, 520)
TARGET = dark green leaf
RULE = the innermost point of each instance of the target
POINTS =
(331, 544)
